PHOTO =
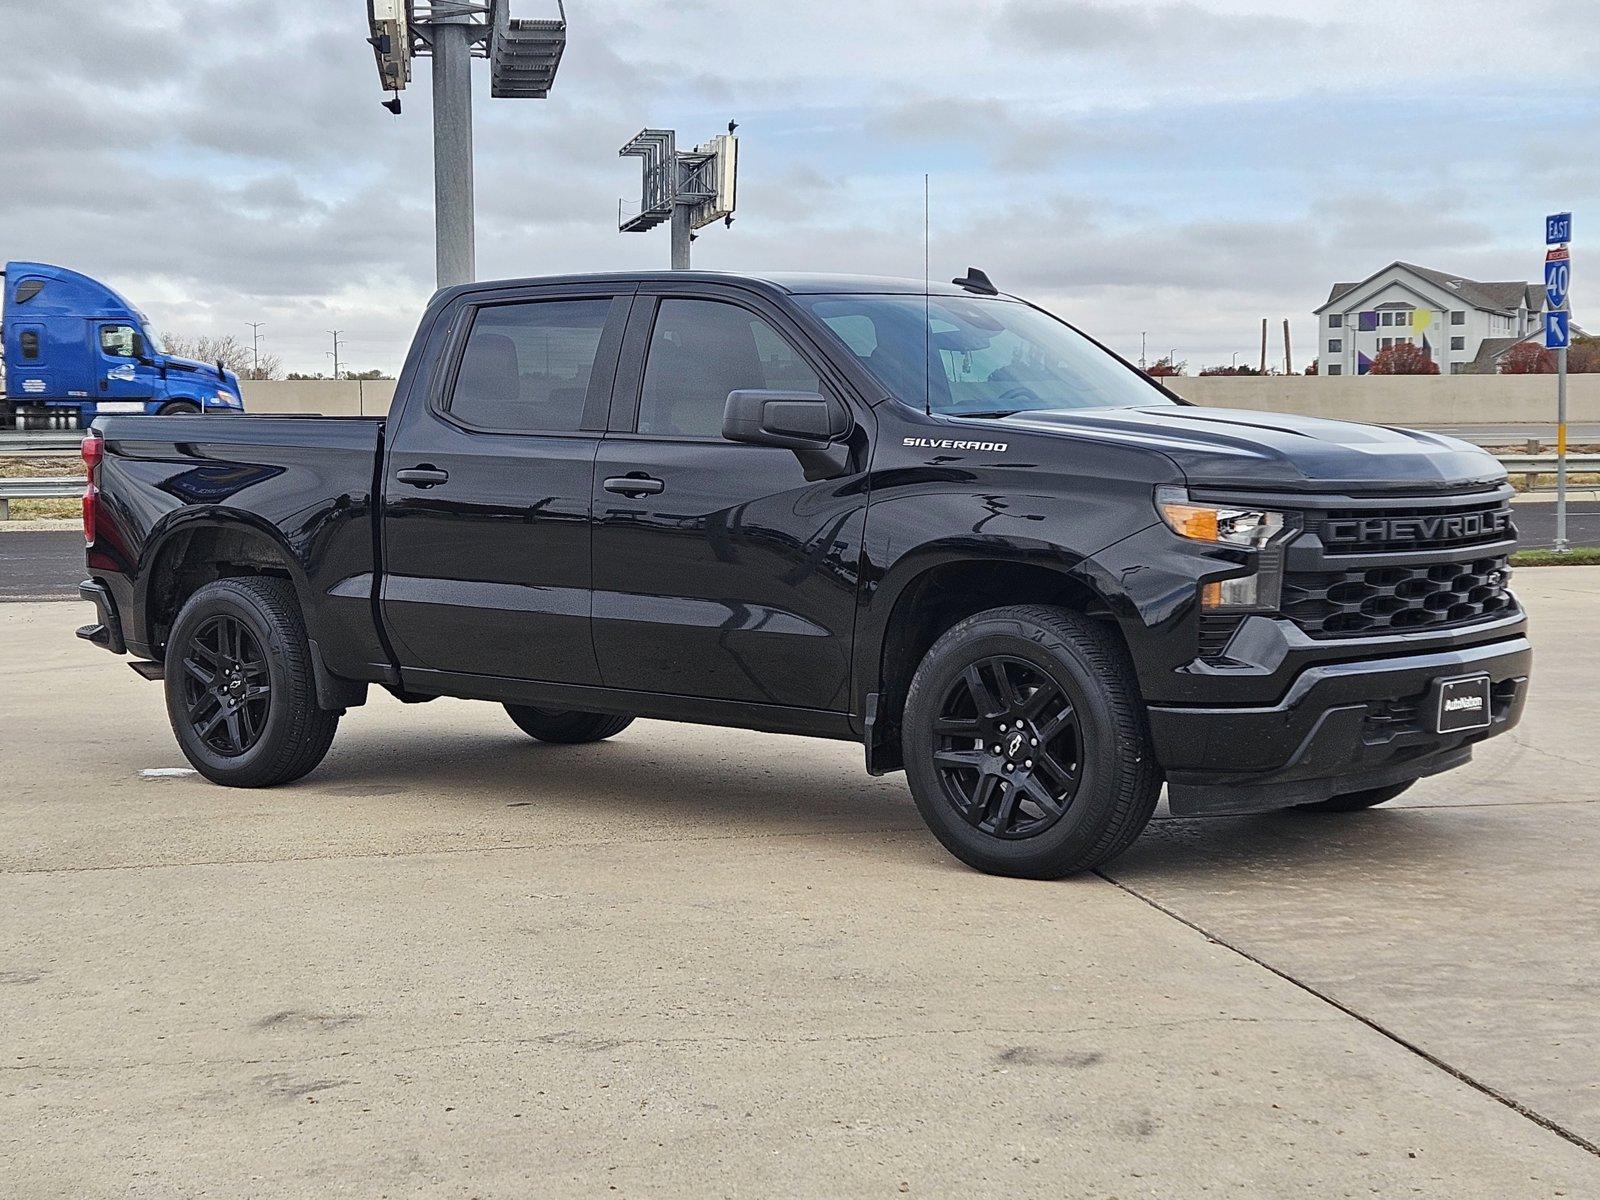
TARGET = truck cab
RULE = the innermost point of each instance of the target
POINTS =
(75, 349)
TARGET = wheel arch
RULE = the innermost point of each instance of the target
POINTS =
(930, 591)
(197, 546)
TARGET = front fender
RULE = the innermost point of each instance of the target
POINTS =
(1012, 530)
(1151, 580)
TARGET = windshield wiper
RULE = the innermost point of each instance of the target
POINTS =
(999, 412)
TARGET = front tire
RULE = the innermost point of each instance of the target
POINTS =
(1026, 743)
(1356, 801)
(179, 408)
(567, 727)
(240, 690)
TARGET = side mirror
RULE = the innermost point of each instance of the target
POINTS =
(139, 350)
(788, 420)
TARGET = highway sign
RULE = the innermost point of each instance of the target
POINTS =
(1557, 330)
(1557, 229)
(1557, 279)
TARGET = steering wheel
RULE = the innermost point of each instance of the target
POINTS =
(1019, 392)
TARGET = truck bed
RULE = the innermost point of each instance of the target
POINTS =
(303, 483)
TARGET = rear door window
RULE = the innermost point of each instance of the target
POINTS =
(526, 366)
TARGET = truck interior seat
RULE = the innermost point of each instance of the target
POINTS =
(687, 391)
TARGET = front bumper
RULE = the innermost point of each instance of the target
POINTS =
(1341, 727)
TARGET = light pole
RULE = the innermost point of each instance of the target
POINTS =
(255, 347)
(452, 146)
(687, 188)
(1142, 334)
(523, 56)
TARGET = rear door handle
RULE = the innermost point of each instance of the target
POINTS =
(422, 477)
(634, 485)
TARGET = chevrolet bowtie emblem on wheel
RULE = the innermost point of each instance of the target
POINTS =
(1014, 745)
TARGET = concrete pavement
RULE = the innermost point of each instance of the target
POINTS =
(455, 962)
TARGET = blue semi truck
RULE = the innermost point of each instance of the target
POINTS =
(75, 349)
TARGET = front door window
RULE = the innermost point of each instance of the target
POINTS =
(117, 341)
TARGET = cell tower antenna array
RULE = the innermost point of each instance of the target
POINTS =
(690, 188)
(523, 56)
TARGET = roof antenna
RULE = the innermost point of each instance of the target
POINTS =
(976, 281)
(927, 305)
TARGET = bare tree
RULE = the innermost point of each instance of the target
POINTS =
(231, 352)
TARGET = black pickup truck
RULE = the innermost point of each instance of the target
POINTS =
(940, 522)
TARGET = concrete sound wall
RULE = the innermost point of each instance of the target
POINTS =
(1424, 400)
(326, 397)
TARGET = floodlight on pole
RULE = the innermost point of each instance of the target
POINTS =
(689, 188)
(523, 56)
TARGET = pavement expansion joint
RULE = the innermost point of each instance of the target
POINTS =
(1377, 1027)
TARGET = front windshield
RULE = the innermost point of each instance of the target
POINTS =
(152, 344)
(968, 356)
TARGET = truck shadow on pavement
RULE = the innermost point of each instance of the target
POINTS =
(755, 785)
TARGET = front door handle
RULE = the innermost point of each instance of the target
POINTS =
(634, 485)
(423, 476)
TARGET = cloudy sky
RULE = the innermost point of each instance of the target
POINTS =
(1182, 168)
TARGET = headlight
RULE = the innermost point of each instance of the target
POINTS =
(1249, 528)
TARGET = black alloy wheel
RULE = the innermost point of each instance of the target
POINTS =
(1008, 748)
(1026, 742)
(241, 686)
(227, 687)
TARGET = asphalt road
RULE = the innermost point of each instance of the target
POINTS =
(40, 565)
(456, 962)
(1578, 433)
(49, 564)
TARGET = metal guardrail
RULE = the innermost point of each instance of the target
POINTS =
(1531, 466)
(42, 487)
(67, 487)
(44, 442)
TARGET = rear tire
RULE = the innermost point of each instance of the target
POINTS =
(1356, 801)
(567, 727)
(1027, 745)
(241, 694)
(179, 408)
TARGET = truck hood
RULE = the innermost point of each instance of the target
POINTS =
(206, 370)
(1262, 451)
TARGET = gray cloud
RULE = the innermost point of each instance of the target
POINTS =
(1083, 27)
(227, 161)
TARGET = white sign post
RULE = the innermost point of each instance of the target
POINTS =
(1557, 337)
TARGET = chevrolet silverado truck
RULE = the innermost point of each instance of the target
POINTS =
(939, 522)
